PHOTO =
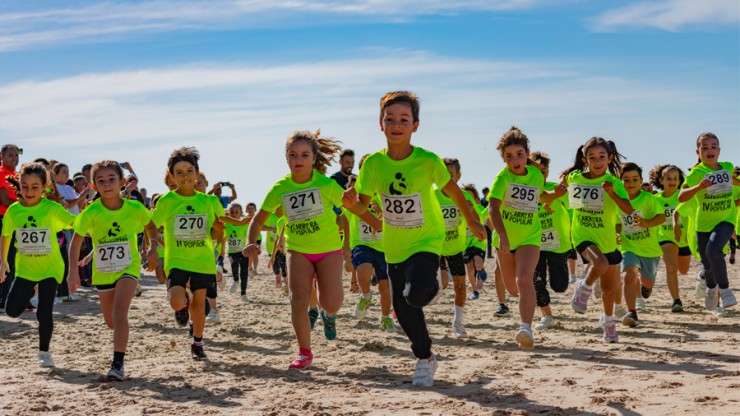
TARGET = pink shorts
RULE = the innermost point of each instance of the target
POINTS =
(315, 258)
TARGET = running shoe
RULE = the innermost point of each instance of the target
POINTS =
(475, 295)
(182, 317)
(234, 286)
(719, 312)
(374, 280)
(313, 315)
(213, 316)
(572, 278)
(581, 294)
(483, 275)
(330, 325)
(278, 282)
(196, 352)
(711, 299)
(701, 286)
(641, 304)
(610, 330)
(245, 298)
(285, 288)
(301, 362)
(424, 372)
(620, 310)
(35, 301)
(115, 373)
(190, 331)
(363, 303)
(502, 311)
(732, 258)
(45, 359)
(71, 298)
(677, 306)
(645, 291)
(138, 290)
(545, 323)
(630, 319)
(728, 298)
(387, 325)
(524, 338)
(459, 329)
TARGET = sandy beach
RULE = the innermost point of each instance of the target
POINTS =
(670, 364)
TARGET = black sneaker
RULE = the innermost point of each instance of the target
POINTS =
(645, 292)
(630, 319)
(197, 353)
(502, 311)
(182, 317)
(677, 306)
(313, 315)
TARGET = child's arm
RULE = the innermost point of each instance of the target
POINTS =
(255, 228)
(233, 221)
(676, 225)
(4, 249)
(73, 278)
(345, 229)
(357, 204)
(547, 197)
(689, 192)
(622, 203)
(152, 236)
(494, 212)
(652, 222)
(455, 194)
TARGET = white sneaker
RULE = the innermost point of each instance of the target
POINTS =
(459, 329)
(35, 301)
(233, 287)
(620, 310)
(439, 292)
(58, 300)
(728, 298)
(572, 278)
(719, 312)
(711, 299)
(701, 287)
(213, 316)
(245, 298)
(545, 322)
(45, 359)
(641, 306)
(424, 372)
(524, 338)
(597, 290)
(71, 298)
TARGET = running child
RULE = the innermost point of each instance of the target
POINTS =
(512, 205)
(35, 221)
(403, 176)
(113, 223)
(254, 260)
(307, 198)
(710, 182)
(236, 237)
(676, 253)
(596, 196)
(475, 251)
(639, 242)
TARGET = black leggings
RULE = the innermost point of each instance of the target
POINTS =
(557, 265)
(240, 269)
(279, 264)
(21, 292)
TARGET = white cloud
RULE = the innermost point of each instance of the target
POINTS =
(108, 21)
(671, 15)
(240, 115)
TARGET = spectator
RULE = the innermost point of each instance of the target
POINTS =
(347, 163)
(147, 201)
(217, 190)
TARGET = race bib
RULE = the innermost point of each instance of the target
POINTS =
(550, 240)
(403, 211)
(235, 244)
(366, 233)
(668, 211)
(33, 240)
(112, 257)
(628, 227)
(721, 182)
(521, 197)
(190, 227)
(303, 205)
(452, 216)
(589, 197)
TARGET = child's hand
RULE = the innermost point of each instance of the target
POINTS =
(704, 184)
(548, 208)
(637, 220)
(503, 243)
(73, 280)
(85, 260)
(608, 188)
(251, 250)
(152, 257)
(349, 198)
(4, 268)
(677, 233)
(478, 230)
(560, 190)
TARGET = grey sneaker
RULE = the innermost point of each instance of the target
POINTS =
(424, 372)
(544, 323)
(581, 294)
(45, 359)
(115, 373)
(711, 299)
(610, 330)
(524, 338)
(728, 298)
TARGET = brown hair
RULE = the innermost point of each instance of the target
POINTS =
(707, 135)
(406, 97)
(183, 154)
(106, 164)
(630, 167)
(28, 169)
(541, 158)
(656, 175)
(451, 161)
(324, 148)
(513, 137)
(608, 145)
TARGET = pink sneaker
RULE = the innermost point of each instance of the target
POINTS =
(301, 361)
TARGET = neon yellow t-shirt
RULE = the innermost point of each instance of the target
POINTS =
(470, 239)
(736, 196)
(715, 204)
(454, 223)
(594, 224)
(187, 222)
(271, 221)
(236, 237)
(114, 238)
(640, 240)
(665, 230)
(360, 232)
(36, 229)
(688, 211)
(518, 195)
(555, 237)
(412, 217)
(311, 225)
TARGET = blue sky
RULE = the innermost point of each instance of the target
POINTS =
(82, 81)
